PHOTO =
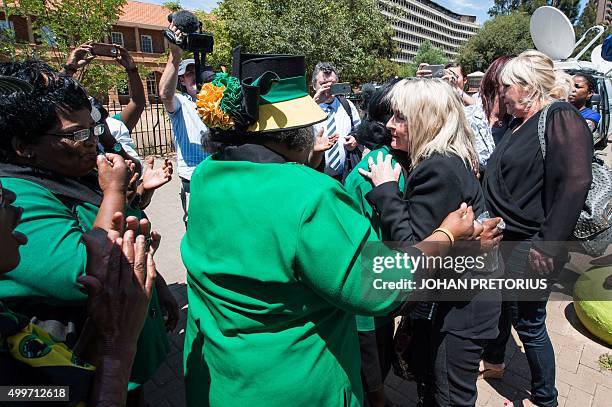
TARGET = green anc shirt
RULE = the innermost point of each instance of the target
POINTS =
(55, 256)
(275, 275)
(358, 186)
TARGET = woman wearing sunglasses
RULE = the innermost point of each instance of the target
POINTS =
(49, 158)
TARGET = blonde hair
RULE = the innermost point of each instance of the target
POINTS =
(533, 71)
(435, 119)
(564, 84)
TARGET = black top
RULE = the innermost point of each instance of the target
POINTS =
(436, 187)
(537, 199)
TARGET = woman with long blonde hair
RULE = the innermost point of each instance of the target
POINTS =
(539, 192)
(429, 126)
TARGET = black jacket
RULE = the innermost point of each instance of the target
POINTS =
(436, 187)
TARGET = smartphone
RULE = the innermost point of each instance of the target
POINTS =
(104, 50)
(340, 89)
(437, 71)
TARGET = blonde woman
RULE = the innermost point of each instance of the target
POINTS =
(429, 126)
(540, 201)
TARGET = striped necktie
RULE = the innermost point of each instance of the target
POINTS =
(333, 154)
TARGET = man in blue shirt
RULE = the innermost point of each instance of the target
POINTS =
(187, 128)
(584, 88)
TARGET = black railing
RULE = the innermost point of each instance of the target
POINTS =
(153, 133)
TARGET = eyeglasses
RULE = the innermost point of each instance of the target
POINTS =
(83, 135)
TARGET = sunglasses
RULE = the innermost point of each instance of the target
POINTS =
(83, 135)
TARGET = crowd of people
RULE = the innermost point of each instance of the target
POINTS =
(285, 196)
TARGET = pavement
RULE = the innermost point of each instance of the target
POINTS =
(580, 381)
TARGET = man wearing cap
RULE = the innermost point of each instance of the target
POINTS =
(187, 128)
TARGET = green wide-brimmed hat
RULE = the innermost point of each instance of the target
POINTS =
(283, 101)
(264, 93)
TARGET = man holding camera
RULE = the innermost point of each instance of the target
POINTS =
(342, 118)
(187, 128)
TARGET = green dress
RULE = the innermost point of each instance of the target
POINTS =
(275, 278)
(55, 256)
(358, 186)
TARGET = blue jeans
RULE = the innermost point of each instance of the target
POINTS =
(529, 321)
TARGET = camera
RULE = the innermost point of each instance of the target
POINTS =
(192, 38)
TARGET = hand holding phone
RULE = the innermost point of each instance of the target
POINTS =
(437, 71)
(340, 89)
(105, 50)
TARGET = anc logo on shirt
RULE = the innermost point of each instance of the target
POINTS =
(32, 347)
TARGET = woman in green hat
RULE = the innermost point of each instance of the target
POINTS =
(278, 255)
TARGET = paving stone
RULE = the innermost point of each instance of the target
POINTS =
(578, 398)
(577, 380)
(603, 396)
(562, 387)
(568, 359)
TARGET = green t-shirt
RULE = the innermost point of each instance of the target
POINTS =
(55, 256)
(275, 278)
(358, 186)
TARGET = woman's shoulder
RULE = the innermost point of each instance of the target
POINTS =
(23, 187)
(444, 164)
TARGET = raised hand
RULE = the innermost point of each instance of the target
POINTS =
(125, 59)
(79, 57)
(154, 179)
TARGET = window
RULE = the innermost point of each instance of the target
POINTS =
(117, 38)
(151, 86)
(146, 43)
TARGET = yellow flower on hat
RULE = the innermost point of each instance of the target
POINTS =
(209, 107)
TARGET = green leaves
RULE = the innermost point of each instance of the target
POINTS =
(502, 35)
(351, 34)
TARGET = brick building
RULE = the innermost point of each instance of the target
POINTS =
(139, 30)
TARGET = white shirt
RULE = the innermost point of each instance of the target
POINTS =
(121, 133)
(187, 132)
(343, 128)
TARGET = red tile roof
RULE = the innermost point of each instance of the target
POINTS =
(137, 13)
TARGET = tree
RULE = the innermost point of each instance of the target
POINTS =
(427, 54)
(61, 25)
(588, 18)
(352, 34)
(172, 5)
(571, 8)
(502, 35)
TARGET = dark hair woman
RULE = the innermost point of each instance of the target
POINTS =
(48, 144)
(487, 117)
(118, 309)
(585, 86)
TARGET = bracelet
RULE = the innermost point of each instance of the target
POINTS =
(447, 233)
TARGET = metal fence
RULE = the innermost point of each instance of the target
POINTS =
(153, 133)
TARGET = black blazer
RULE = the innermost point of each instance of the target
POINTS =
(436, 187)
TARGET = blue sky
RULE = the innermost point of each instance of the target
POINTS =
(477, 8)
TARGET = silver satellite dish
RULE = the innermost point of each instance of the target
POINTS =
(597, 60)
(552, 32)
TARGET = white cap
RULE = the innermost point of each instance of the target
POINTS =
(184, 64)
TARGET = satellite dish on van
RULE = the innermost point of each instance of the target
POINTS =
(597, 60)
(552, 32)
